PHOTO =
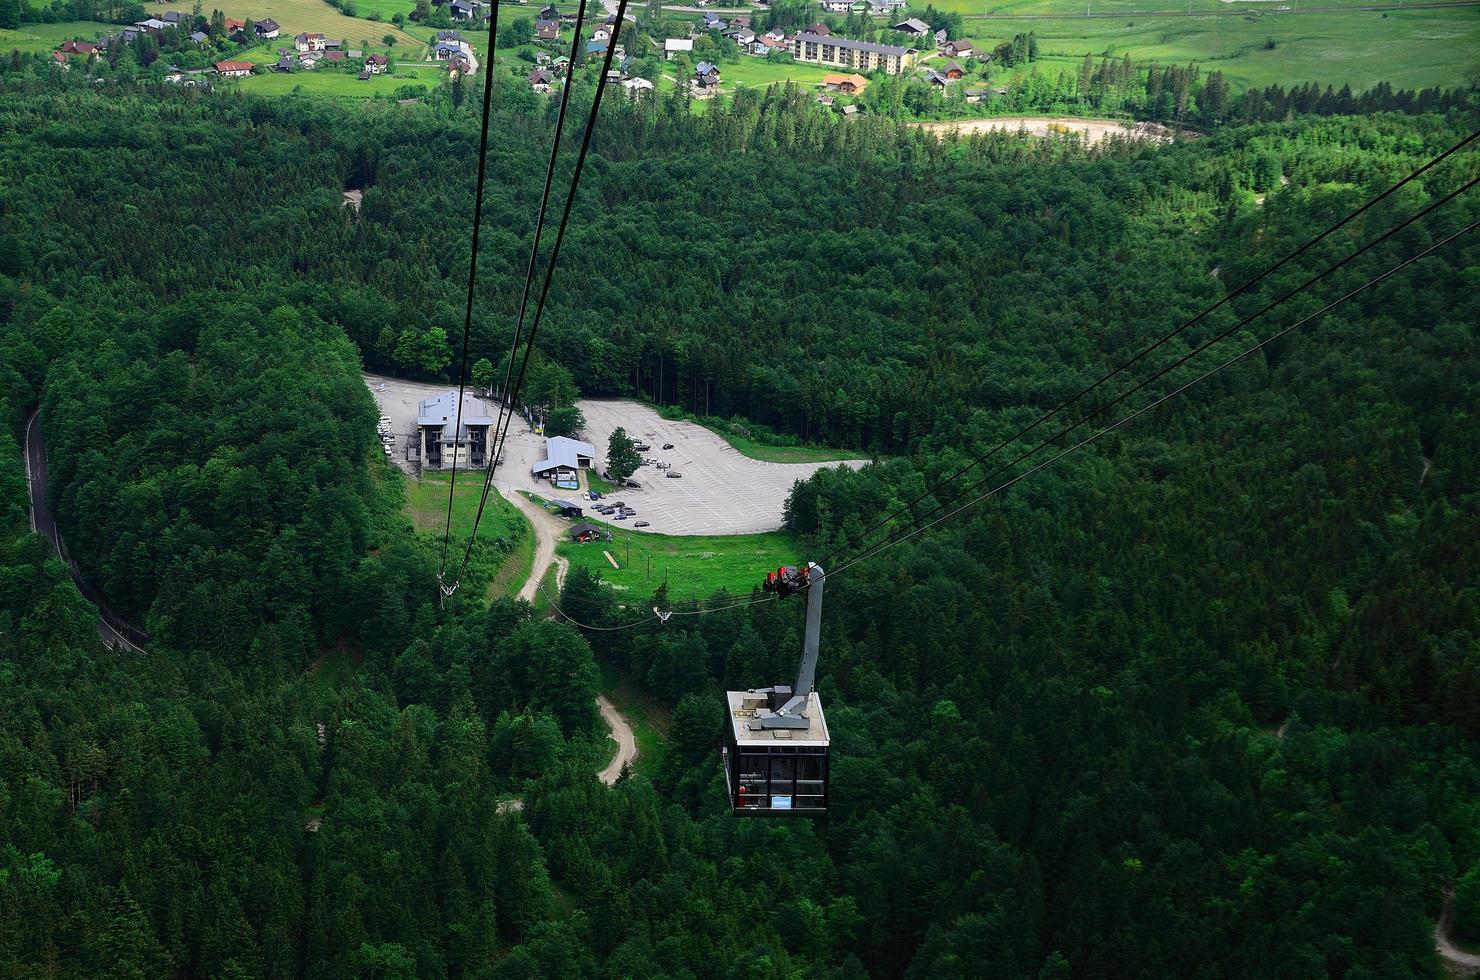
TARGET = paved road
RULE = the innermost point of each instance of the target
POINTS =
(114, 632)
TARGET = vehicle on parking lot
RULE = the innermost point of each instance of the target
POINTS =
(632, 485)
(622, 516)
(667, 445)
(641, 447)
(640, 524)
(674, 475)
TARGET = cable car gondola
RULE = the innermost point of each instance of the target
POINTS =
(776, 743)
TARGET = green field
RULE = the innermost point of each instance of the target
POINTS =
(759, 448)
(1407, 48)
(311, 15)
(696, 566)
(46, 37)
(760, 72)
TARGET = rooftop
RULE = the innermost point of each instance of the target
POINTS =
(563, 453)
(442, 411)
(849, 44)
(742, 718)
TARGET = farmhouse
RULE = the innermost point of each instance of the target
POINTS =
(377, 63)
(308, 42)
(638, 86)
(442, 442)
(958, 48)
(79, 47)
(267, 29)
(233, 69)
(675, 46)
(539, 80)
(858, 55)
(233, 25)
(564, 458)
(914, 26)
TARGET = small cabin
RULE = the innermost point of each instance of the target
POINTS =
(775, 771)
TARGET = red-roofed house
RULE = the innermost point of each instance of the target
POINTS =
(79, 47)
(234, 69)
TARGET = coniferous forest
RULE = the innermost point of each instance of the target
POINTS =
(1200, 700)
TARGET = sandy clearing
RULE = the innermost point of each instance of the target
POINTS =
(1095, 129)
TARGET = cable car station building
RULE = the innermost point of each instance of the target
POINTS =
(441, 443)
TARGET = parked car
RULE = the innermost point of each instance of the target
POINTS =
(633, 485)
(595, 494)
(641, 447)
(640, 524)
(674, 475)
(667, 445)
(621, 517)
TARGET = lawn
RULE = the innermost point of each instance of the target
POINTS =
(755, 448)
(1407, 48)
(760, 72)
(695, 567)
(47, 37)
(322, 81)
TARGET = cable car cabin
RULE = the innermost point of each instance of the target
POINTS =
(775, 771)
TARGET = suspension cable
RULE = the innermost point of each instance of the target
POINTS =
(545, 286)
(462, 371)
(853, 541)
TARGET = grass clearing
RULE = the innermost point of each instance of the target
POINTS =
(695, 567)
(47, 37)
(426, 505)
(332, 82)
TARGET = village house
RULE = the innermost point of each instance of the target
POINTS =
(233, 69)
(284, 64)
(638, 87)
(847, 84)
(82, 48)
(153, 25)
(59, 60)
(267, 29)
(549, 33)
(377, 64)
(309, 60)
(675, 46)
(334, 56)
(200, 37)
(234, 26)
(836, 6)
(539, 80)
(937, 79)
(857, 55)
(914, 27)
(958, 48)
(176, 18)
(952, 71)
(308, 42)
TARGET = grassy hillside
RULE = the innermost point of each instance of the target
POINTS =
(1408, 48)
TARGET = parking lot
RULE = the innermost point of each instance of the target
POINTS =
(721, 491)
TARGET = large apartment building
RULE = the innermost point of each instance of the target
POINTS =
(441, 440)
(857, 55)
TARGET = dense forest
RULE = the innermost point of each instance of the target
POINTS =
(1198, 701)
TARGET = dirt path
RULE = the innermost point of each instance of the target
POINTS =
(546, 536)
(621, 733)
(547, 532)
(1460, 962)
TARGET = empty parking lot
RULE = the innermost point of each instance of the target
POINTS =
(721, 490)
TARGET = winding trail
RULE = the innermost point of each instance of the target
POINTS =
(1461, 962)
(547, 531)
